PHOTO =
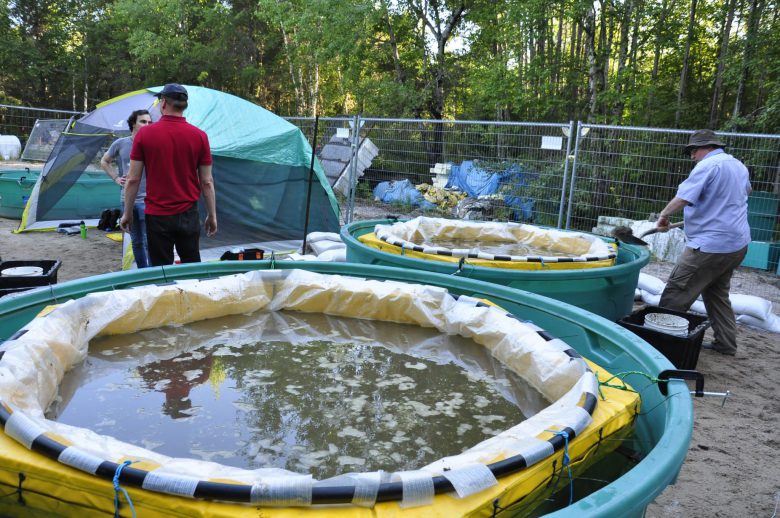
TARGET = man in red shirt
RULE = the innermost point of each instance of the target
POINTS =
(177, 158)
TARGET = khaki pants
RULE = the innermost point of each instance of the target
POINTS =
(709, 275)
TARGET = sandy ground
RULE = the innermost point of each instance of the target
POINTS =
(731, 469)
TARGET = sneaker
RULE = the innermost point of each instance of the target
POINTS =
(712, 346)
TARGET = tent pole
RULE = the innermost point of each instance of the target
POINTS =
(311, 174)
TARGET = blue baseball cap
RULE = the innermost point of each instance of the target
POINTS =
(173, 91)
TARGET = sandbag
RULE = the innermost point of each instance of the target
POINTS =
(771, 323)
(751, 305)
(338, 255)
(315, 237)
(323, 246)
(650, 284)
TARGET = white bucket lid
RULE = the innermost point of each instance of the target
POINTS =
(23, 271)
(664, 322)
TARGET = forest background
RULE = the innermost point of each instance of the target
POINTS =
(662, 63)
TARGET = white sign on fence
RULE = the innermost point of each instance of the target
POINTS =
(552, 143)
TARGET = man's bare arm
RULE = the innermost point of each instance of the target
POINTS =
(210, 197)
(105, 164)
(676, 205)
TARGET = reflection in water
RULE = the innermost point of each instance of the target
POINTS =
(304, 392)
(495, 247)
(178, 376)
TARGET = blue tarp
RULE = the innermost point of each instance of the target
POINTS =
(475, 181)
(401, 191)
(523, 207)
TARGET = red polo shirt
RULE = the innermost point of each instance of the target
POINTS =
(171, 150)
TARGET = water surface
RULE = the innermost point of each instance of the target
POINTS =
(303, 392)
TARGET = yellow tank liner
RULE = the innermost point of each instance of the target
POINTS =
(48, 468)
(583, 250)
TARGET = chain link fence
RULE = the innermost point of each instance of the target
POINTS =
(36, 128)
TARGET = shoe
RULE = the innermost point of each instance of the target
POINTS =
(711, 346)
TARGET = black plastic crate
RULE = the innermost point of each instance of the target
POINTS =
(682, 351)
(11, 282)
(243, 254)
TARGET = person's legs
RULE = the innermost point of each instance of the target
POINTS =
(187, 238)
(138, 236)
(687, 280)
(718, 305)
(160, 236)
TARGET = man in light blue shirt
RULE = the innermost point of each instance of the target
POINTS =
(714, 199)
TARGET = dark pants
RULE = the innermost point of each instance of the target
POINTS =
(709, 275)
(180, 230)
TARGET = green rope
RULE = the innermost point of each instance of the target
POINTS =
(622, 386)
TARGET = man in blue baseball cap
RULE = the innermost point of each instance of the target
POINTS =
(177, 157)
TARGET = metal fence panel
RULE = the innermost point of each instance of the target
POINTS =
(21, 121)
(42, 139)
(334, 148)
(632, 172)
(526, 163)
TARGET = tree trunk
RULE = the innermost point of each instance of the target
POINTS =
(399, 77)
(442, 31)
(686, 58)
(622, 58)
(595, 74)
(660, 27)
(574, 75)
(754, 18)
(725, 33)
(314, 92)
(291, 67)
(558, 54)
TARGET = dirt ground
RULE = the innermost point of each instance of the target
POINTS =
(731, 469)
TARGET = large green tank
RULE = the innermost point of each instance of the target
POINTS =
(89, 196)
(606, 291)
(663, 434)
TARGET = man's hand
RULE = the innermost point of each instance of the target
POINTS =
(211, 225)
(662, 224)
(120, 180)
(127, 221)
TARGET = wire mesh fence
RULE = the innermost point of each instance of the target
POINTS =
(546, 173)
(632, 173)
(36, 128)
(506, 171)
(335, 151)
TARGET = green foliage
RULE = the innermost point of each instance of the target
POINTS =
(499, 59)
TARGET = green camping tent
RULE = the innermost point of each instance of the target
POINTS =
(261, 168)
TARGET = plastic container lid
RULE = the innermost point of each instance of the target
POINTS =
(23, 271)
(669, 324)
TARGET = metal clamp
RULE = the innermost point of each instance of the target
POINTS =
(696, 376)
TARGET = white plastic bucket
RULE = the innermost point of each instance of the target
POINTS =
(22, 271)
(666, 323)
